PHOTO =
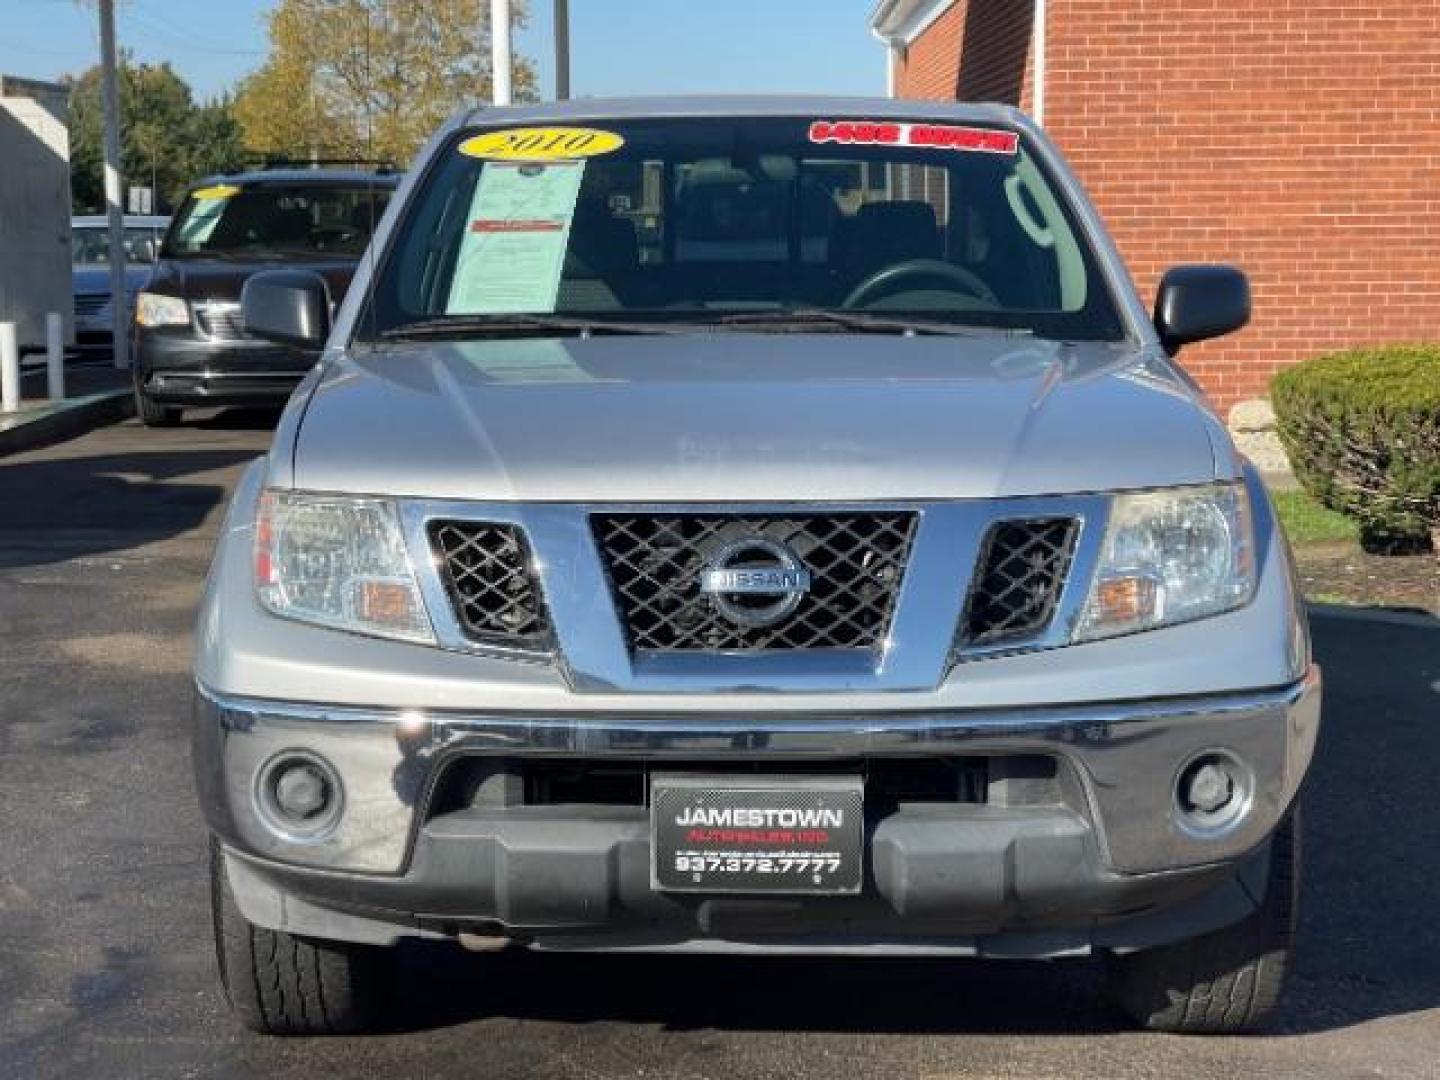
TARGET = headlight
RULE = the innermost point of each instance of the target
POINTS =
(153, 309)
(1171, 556)
(339, 562)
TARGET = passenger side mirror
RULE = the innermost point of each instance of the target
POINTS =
(1199, 302)
(289, 307)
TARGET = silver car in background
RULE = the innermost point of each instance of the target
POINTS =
(90, 253)
(749, 525)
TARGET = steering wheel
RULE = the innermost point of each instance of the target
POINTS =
(883, 281)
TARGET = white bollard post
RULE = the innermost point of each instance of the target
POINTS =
(9, 368)
(55, 356)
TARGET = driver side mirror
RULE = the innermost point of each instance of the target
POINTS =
(1199, 302)
(289, 307)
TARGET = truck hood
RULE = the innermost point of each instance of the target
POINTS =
(732, 417)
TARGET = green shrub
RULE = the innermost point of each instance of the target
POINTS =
(1362, 429)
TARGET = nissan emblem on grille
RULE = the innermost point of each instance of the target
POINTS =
(755, 581)
(729, 582)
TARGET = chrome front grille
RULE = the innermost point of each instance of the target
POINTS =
(1018, 580)
(490, 578)
(644, 598)
(655, 562)
(220, 320)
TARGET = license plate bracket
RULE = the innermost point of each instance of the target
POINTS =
(757, 834)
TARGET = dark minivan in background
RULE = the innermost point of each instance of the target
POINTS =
(189, 346)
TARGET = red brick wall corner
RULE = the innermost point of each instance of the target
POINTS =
(1299, 141)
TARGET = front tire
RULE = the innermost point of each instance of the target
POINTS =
(152, 413)
(1224, 982)
(282, 984)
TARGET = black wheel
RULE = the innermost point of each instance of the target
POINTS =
(1228, 981)
(281, 984)
(152, 413)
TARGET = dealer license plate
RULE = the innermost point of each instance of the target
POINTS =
(742, 834)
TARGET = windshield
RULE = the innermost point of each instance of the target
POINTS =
(740, 222)
(267, 219)
(91, 244)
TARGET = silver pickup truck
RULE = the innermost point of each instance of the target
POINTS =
(751, 525)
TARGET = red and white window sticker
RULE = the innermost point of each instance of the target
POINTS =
(929, 136)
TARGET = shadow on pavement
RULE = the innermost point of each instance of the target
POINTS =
(441, 985)
(62, 508)
(247, 419)
(1368, 944)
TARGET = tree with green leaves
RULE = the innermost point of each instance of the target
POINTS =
(369, 79)
(167, 140)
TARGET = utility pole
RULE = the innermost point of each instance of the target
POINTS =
(119, 307)
(500, 55)
(562, 50)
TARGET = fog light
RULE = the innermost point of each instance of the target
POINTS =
(1212, 793)
(301, 791)
(299, 795)
(1208, 788)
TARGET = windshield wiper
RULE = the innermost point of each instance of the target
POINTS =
(786, 319)
(800, 319)
(467, 326)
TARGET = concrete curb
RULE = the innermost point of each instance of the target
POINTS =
(52, 423)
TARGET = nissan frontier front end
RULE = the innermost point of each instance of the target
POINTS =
(739, 525)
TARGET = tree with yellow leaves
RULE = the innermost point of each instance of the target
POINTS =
(369, 79)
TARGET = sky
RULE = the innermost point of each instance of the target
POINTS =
(616, 46)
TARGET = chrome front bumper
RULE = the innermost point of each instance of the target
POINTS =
(1126, 756)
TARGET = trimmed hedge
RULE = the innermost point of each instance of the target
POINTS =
(1362, 429)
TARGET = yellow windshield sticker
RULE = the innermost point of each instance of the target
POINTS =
(218, 191)
(542, 144)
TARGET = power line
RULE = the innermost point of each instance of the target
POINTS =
(185, 37)
(26, 47)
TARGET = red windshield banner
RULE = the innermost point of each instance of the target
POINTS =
(931, 136)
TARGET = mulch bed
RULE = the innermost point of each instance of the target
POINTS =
(1343, 574)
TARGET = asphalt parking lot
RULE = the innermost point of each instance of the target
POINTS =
(105, 960)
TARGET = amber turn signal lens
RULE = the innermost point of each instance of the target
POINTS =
(1124, 600)
(384, 602)
(265, 542)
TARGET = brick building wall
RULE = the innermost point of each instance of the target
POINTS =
(1300, 140)
(992, 37)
